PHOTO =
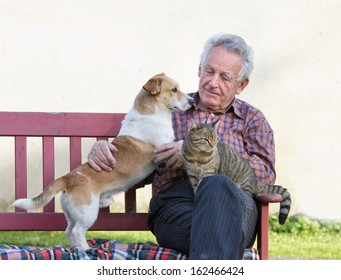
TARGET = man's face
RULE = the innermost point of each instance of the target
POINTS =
(217, 84)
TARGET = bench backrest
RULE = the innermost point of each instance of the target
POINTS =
(48, 127)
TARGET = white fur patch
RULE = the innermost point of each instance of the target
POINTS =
(155, 129)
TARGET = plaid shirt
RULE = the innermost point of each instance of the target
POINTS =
(242, 127)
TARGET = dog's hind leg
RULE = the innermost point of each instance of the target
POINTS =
(70, 228)
(70, 222)
(80, 218)
(78, 236)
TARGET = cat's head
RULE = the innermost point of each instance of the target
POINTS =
(203, 137)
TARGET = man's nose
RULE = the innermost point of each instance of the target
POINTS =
(214, 80)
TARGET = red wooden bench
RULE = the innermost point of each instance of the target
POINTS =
(75, 126)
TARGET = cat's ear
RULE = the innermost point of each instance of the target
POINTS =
(216, 124)
(194, 123)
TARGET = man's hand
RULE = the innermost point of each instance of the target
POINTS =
(100, 156)
(169, 153)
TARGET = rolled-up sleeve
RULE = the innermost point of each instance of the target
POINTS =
(260, 148)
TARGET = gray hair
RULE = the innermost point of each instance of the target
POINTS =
(231, 43)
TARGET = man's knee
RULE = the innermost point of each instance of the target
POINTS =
(218, 183)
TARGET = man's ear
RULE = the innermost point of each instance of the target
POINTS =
(216, 124)
(194, 123)
(154, 85)
(242, 85)
(199, 70)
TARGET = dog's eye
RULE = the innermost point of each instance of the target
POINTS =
(175, 90)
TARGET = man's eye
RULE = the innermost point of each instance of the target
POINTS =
(174, 90)
(227, 78)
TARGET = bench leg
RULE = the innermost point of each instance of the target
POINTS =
(263, 231)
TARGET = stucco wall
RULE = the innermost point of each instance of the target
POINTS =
(94, 56)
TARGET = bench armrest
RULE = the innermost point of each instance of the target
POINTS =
(268, 198)
(263, 201)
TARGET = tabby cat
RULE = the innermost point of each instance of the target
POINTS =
(205, 155)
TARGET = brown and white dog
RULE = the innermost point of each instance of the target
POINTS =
(147, 125)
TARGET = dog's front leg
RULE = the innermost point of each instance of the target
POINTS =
(105, 200)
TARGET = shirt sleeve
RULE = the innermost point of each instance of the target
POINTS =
(260, 149)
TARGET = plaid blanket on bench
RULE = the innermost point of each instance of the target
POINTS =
(101, 249)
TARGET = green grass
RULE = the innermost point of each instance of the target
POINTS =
(303, 238)
(51, 238)
(299, 238)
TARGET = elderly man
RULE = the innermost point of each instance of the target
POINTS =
(219, 222)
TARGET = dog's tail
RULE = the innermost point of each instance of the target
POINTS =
(45, 197)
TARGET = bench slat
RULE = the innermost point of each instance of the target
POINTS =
(56, 221)
(48, 167)
(75, 152)
(60, 124)
(20, 168)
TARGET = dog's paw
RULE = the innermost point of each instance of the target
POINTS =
(105, 202)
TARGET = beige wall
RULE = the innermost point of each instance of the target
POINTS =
(95, 55)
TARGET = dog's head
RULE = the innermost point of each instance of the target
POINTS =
(165, 93)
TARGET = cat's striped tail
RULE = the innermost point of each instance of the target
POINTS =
(285, 205)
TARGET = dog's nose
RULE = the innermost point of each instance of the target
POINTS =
(190, 100)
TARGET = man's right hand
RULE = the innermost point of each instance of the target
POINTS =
(100, 156)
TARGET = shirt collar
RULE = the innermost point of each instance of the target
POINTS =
(235, 107)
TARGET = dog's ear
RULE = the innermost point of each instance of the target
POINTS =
(153, 85)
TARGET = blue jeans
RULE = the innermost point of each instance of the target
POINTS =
(219, 222)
